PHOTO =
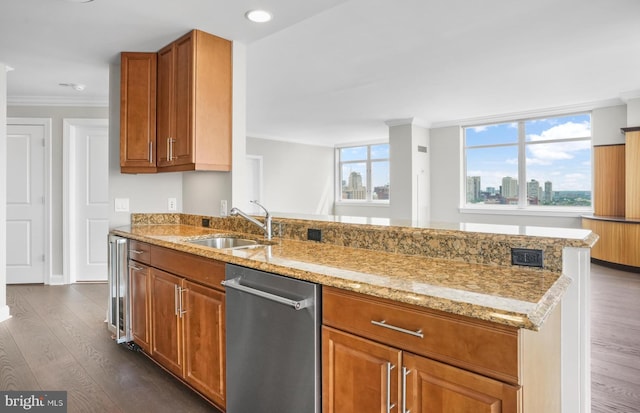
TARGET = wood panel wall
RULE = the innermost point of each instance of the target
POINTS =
(632, 183)
(609, 180)
(618, 241)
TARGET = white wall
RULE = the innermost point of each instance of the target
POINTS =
(446, 172)
(146, 192)
(57, 114)
(4, 309)
(633, 112)
(606, 124)
(297, 178)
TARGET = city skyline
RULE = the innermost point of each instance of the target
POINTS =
(556, 150)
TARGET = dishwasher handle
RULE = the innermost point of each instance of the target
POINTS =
(234, 284)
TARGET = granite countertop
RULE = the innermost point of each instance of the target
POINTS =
(514, 296)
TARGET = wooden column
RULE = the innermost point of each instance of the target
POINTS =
(632, 166)
(609, 180)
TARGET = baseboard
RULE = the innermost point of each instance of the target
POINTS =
(4, 313)
(615, 266)
(56, 279)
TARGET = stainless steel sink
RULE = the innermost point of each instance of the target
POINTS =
(224, 242)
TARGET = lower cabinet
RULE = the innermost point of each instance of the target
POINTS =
(139, 276)
(362, 375)
(383, 356)
(181, 323)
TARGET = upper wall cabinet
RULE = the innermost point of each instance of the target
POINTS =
(138, 112)
(194, 80)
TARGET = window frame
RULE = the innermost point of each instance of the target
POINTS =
(369, 161)
(523, 207)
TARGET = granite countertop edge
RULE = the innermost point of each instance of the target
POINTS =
(529, 315)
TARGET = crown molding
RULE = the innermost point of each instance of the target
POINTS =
(407, 121)
(57, 101)
(556, 111)
(630, 95)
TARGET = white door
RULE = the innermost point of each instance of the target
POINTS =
(26, 203)
(254, 184)
(87, 198)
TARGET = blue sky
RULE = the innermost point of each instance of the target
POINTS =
(566, 164)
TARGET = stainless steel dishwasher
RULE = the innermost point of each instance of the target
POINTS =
(273, 343)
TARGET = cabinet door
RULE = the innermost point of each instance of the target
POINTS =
(138, 112)
(139, 276)
(433, 387)
(166, 328)
(182, 145)
(204, 341)
(358, 375)
(165, 96)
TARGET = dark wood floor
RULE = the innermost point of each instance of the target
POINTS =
(57, 340)
(615, 341)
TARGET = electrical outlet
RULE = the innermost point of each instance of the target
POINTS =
(223, 208)
(205, 222)
(314, 234)
(527, 257)
(172, 204)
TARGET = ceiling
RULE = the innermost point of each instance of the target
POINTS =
(333, 71)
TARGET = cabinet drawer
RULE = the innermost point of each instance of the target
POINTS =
(199, 269)
(486, 348)
(139, 251)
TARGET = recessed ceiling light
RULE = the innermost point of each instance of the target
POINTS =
(258, 16)
(79, 1)
(75, 86)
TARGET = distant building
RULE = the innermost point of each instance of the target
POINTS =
(354, 188)
(548, 192)
(533, 192)
(381, 192)
(473, 189)
(509, 187)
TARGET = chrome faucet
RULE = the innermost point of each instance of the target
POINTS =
(266, 227)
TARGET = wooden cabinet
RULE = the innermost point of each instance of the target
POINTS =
(363, 375)
(176, 107)
(194, 104)
(379, 355)
(166, 320)
(178, 315)
(138, 72)
(139, 286)
(204, 340)
(139, 277)
(433, 387)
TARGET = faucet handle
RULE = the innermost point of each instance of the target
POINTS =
(254, 201)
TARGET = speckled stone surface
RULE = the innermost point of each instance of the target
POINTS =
(453, 282)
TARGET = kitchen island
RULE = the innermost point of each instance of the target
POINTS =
(456, 275)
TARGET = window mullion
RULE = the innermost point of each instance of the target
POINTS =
(522, 166)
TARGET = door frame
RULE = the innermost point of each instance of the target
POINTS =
(69, 225)
(46, 233)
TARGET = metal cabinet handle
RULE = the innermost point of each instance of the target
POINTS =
(389, 405)
(181, 311)
(384, 324)
(135, 267)
(234, 284)
(136, 252)
(150, 152)
(175, 299)
(405, 373)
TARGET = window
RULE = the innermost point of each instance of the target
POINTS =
(529, 163)
(364, 173)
